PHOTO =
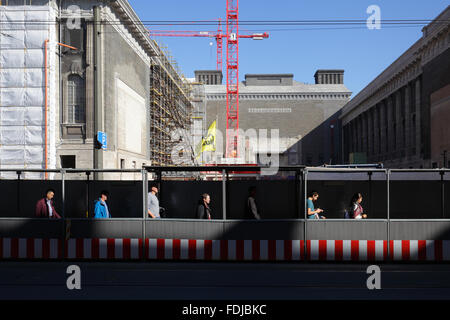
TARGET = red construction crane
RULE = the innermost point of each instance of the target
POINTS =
(232, 35)
(218, 35)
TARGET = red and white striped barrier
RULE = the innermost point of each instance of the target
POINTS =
(377, 250)
(346, 250)
(126, 249)
(293, 250)
(420, 250)
(227, 250)
(15, 248)
(240, 250)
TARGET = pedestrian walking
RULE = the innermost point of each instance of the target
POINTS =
(45, 207)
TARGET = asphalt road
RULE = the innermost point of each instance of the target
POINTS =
(221, 281)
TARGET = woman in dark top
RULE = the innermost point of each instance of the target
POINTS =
(203, 209)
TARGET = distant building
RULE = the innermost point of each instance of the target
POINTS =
(306, 115)
(401, 118)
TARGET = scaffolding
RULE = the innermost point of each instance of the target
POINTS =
(170, 111)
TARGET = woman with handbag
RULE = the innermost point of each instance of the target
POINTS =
(355, 207)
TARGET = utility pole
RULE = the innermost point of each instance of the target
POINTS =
(98, 102)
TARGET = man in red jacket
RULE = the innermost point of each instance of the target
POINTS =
(45, 208)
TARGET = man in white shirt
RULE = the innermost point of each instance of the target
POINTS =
(153, 203)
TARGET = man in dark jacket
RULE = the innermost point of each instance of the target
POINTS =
(45, 207)
(252, 211)
(203, 210)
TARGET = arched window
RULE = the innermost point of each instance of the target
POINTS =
(76, 102)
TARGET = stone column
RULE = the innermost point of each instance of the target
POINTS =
(363, 132)
(89, 82)
(418, 121)
(344, 142)
(367, 132)
(407, 146)
(370, 133)
(350, 137)
(398, 141)
(383, 140)
(359, 133)
(390, 138)
(376, 125)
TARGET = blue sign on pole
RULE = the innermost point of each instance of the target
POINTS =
(102, 139)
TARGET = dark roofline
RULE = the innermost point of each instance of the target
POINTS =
(329, 70)
(290, 75)
(195, 71)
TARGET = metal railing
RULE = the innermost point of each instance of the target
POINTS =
(229, 173)
(225, 174)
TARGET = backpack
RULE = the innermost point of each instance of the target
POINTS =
(346, 214)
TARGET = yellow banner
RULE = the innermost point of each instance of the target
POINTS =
(208, 143)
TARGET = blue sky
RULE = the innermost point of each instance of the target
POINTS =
(362, 53)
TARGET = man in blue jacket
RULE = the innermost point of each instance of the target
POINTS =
(101, 208)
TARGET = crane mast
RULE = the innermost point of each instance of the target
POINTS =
(232, 66)
(232, 78)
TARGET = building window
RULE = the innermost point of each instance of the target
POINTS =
(394, 136)
(122, 163)
(76, 111)
(68, 162)
(23, 2)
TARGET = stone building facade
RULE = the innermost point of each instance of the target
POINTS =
(394, 120)
(114, 92)
(95, 77)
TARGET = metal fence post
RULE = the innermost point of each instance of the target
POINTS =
(370, 191)
(18, 193)
(305, 194)
(88, 173)
(442, 194)
(63, 197)
(388, 184)
(224, 194)
(297, 194)
(63, 192)
(144, 209)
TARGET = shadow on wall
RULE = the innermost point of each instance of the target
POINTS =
(19, 197)
(180, 198)
(409, 199)
(417, 200)
(225, 230)
(320, 145)
(124, 201)
(335, 196)
(276, 199)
